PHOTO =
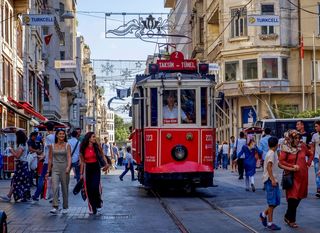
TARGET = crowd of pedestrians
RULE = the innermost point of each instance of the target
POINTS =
(293, 155)
(55, 156)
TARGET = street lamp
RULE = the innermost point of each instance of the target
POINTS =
(67, 15)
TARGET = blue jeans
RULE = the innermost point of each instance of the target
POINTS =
(316, 169)
(76, 170)
(41, 180)
(126, 170)
(225, 161)
(273, 193)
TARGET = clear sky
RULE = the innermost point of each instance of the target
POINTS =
(93, 27)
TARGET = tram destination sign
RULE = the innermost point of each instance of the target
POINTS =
(177, 62)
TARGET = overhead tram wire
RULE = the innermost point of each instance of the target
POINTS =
(303, 9)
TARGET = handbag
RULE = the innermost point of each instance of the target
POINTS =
(287, 177)
(78, 187)
(32, 161)
(99, 157)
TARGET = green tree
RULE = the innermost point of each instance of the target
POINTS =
(121, 129)
(308, 114)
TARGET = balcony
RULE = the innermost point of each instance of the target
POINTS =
(21, 6)
(169, 3)
(68, 78)
(258, 87)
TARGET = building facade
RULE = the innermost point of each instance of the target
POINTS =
(261, 72)
(21, 70)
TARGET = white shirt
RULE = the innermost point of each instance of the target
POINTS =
(49, 141)
(225, 149)
(272, 157)
(316, 140)
(171, 116)
(239, 144)
(129, 158)
(73, 142)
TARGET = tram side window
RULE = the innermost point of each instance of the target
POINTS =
(188, 105)
(204, 108)
(154, 106)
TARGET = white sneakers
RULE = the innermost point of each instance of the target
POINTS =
(64, 211)
(54, 211)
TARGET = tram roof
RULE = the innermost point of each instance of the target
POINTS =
(174, 76)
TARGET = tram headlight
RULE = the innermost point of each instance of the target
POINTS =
(179, 152)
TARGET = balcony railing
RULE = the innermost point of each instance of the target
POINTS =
(239, 88)
(68, 78)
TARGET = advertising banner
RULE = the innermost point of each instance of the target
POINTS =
(37, 20)
(263, 20)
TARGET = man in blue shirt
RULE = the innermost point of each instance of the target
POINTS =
(264, 143)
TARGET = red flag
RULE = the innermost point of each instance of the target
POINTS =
(47, 39)
(301, 48)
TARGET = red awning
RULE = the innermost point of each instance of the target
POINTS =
(28, 108)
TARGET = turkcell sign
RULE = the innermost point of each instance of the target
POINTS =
(177, 65)
(65, 64)
(263, 20)
(37, 20)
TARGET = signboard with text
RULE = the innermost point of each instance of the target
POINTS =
(263, 20)
(65, 64)
(37, 20)
(177, 62)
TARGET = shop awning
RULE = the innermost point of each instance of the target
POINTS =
(28, 108)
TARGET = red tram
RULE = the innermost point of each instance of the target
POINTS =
(173, 138)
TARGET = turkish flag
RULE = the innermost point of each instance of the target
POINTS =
(47, 39)
(301, 48)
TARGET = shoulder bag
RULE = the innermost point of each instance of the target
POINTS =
(287, 177)
(99, 157)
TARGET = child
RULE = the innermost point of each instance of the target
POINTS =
(271, 184)
(250, 162)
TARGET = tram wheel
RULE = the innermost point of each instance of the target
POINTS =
(189, 188)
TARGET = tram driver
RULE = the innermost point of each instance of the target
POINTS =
(170, 111)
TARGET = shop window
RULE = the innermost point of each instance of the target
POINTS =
(231, 70)
(250, 69)
(239, 22)
(270, 67)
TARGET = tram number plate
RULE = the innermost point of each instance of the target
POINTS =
(149, 138)
(208, 138)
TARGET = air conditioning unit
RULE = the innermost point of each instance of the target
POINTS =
(40, 66)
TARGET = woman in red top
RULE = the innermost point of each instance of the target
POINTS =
(90, 171)
(293, 157)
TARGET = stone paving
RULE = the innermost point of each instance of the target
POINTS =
(129, 208)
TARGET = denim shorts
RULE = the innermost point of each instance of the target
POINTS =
(273, 193)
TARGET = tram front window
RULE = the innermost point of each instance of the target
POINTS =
(188, 105)
(170, 109)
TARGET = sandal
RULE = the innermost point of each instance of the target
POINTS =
(286, 221)
(293, 225)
